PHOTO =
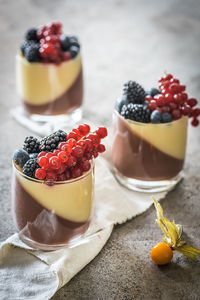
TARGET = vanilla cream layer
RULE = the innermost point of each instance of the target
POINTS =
(40, 83)
(72, 201)
(170, 138)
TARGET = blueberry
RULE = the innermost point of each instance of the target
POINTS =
(20, 157)
(166, 117)
(33, 155)
(155, 117)
(32, 53)
(73, 51)
(31, 34)
(74, 41)
(153, 92)
(65, 42)
(121, 102)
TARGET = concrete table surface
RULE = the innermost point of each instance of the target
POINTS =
(121, 40)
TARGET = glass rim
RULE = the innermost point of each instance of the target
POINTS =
(147, 124)
(20, 56)
(52, 181)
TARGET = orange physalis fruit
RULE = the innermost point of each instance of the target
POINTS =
(161, 253)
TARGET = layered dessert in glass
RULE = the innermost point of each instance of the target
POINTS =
(49, 74)
(150, 135)
(53, 187)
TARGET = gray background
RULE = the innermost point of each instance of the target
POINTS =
(121, 40)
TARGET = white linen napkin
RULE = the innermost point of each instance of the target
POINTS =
(26, 273)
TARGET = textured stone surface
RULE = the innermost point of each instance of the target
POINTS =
(121, 40)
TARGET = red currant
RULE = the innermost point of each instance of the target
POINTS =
(63, 155)
(85, 166)
(196, 112)
(51, 176)
(152, 105)
(195, 122)
(177, 98)
(67, 148)
(102, 132)
(174, 88)
(95, 139)
(72, 135)
(84, 129)
(82, 143)
(186, 110)
(168, 98)
(77, 151)
(55, 162)
(101, 148)
(192, 102)
(49, 155)
(174, 80)
(62, 169)
(71, 142)
(76, 172)
(40, 173)
(41, 154)
(71, 161)
(176, 114)
(184, 97)
(148, 98)
(61, 177)
(43, 162)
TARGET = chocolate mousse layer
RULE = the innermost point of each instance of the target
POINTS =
(136, 158)
(68, 102)
(37, 223)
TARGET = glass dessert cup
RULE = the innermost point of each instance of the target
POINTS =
(51, 93)
(148, 157)
(52, 216)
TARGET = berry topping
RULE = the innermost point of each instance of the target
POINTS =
(49, 45)
(51, 142)
(136, 112)
(61, 158)
(20, 157)
(169, 103)
(155, 117)
(31, 144)
(31, 34)
(134, 92)
(30, 167)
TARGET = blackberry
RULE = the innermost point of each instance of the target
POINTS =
(52, 141)
(136, 112)
(31, 35)
(30, 167)
(32, 53)
(31, 144)
(25, 45)
(134, 92)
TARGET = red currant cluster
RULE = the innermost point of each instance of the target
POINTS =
(73, 157)
(174, 100)
(50, 46)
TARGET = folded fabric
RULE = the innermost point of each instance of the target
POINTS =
(31, 274)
